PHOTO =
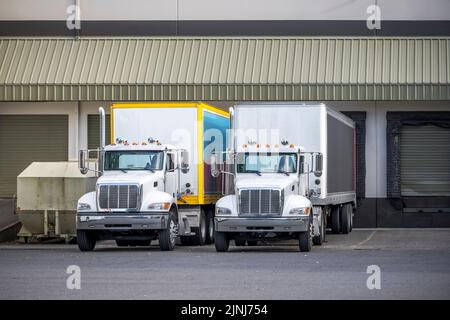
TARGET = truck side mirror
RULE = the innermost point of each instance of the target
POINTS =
(184, 162)
(318, 163)
(82, 162)
(214, 169)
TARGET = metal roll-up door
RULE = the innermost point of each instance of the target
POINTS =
(29, 138)
(425, 160)
(94, 131)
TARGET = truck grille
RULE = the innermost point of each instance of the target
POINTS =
(115, 196)
(265, 202)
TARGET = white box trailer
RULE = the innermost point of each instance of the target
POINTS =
(318, 183)
(155, 181)
(316, 128)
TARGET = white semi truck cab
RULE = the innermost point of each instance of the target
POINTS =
(146, 189)
(135, 200)
(289, 168)
(270, 200)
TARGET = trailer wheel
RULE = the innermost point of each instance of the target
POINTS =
(335, 219)
(239, 243)
(305, 238)
(209, 227)
(86, 240)
(320, 239)
(221, 241)
(346, 218)
(168, 236)
(200, 231)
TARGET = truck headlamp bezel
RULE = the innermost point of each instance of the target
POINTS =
(83, 206)
(300, 211)
(221, 211)
(159, 206)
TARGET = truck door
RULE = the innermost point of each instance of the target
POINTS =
(171, 184)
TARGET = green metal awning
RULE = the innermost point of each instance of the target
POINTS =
(229, 69)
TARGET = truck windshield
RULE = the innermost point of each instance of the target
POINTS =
(267, 163)
(134, 160)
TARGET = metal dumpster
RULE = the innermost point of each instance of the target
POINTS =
(47, 195)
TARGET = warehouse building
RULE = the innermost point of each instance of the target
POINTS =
(393, 81)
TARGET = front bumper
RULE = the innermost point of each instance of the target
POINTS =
(115, 221)
(236, 224)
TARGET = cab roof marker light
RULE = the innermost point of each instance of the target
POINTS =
(119, 140)
(267, 145)
(291, 145)
(284, 142)
(151, 140)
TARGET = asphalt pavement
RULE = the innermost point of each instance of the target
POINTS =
(412, 264)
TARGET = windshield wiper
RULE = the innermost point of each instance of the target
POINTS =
(123, 170)
(285, 172)
(253, 171)
(150, 169)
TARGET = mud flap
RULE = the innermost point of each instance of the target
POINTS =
(188, 219)
(317, 220)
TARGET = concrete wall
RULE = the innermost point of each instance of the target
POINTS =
(376, 136)
(375, 128)
(225, 10)
(375, 209)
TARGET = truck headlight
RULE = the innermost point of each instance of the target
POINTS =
(222, 211)
(83, 206)
(300, 211)
(159, 206)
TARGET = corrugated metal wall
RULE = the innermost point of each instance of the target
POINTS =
(28, 138)
(225, 69)
(425, 160)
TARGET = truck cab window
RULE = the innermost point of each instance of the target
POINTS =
(170, 163)
(268, 163)
(134, 160)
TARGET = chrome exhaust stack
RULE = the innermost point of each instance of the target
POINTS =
(102, 144)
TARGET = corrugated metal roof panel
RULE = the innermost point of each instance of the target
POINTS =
(360, 68)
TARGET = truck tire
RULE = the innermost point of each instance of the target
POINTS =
(346, 218)
(221, 241)
(305, 238)
(200, 232)
(167, 237)
(320, 239)
(86, 240)
(351, 219)
(239, 243)
(335, 219)
(209, 227)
